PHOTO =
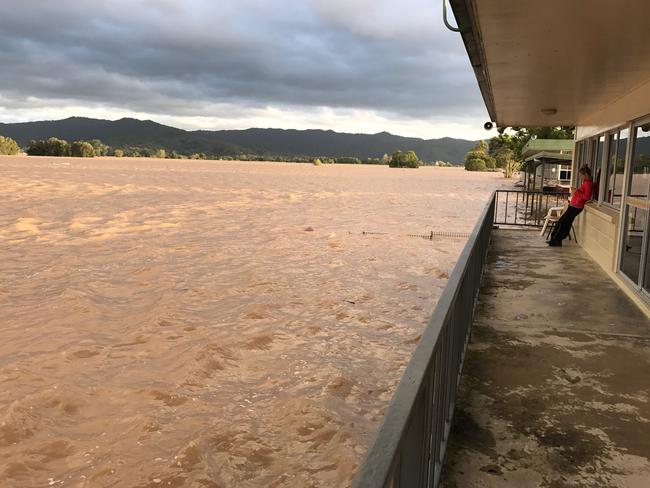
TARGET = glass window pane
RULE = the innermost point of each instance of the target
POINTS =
(591, 154)
(596, 170)
(640, 168)
(610, 172)
(636, 220)
(621, 150)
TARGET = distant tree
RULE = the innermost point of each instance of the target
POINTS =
(481, 147)
(174, 155)
(8, 146)
(58, 147)
(198, 156)
(528, 133)
(348, 160)
(516, 142)
(501, 143)
(479, 154)
(82, 149)
(160, 153)
(506, 160)
(118, 153)
(475, 164)
(397, 159)
(412, 160)
(49, 147)
(317, 162)
(400, 159)
(100, 148)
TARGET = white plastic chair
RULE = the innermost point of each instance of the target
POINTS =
(552, 216)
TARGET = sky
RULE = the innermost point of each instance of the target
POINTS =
(361, 66)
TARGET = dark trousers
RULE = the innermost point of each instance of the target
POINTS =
(564, 223)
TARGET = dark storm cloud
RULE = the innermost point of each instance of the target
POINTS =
(164, 56)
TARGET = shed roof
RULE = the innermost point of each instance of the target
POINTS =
(547, 145)
(546, 157)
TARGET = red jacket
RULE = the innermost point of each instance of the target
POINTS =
(583, 194)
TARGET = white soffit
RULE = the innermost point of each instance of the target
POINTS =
(587, 59)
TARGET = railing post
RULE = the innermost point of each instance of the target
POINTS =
(533, 206)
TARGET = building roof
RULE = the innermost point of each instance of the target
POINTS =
(579, 62)
(547, 145)
(548, 157)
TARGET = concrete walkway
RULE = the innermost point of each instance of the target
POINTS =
(556, 386)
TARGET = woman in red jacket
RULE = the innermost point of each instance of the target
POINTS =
(580, 196)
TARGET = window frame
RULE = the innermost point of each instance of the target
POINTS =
(630, 149)
(628, 202)
(616, 134)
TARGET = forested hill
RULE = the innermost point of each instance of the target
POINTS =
(316, 143)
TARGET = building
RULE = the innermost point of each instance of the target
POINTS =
(596, 77)
(553, 389)
(547, 165)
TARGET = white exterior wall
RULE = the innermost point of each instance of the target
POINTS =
(598, 227)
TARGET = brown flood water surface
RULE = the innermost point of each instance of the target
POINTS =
(211, 324)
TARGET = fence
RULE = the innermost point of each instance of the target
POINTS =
(523, 208)
(409, 447)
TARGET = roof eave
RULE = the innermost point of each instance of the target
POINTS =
(550, 157)
(466, 18)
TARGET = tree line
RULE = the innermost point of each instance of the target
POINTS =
(503, 152)
(96, 148)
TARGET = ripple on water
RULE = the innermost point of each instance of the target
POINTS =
(173, 324)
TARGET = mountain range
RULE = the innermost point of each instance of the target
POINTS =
(129, 132)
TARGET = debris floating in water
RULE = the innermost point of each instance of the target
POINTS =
(431, 235)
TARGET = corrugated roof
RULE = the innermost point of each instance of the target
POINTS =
(547, 145)
(549, 157)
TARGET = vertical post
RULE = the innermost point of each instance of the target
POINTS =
(517, 207)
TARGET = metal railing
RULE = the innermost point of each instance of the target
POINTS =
(525, 208)
(409, 447)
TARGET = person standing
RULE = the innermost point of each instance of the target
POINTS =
(580, 196)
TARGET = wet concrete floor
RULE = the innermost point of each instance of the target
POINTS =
(556, 383)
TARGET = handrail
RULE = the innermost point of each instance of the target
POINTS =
(525, 208)
(409, 447)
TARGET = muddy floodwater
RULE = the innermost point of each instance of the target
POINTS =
(212, 324)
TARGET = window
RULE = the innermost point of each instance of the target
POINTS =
(597, 165)
(634, 234)
(565, 174)
(610, 169)
(579, 157)
(621, 150)
(589, 153)
(636, 239)
(615, 166)
(640, 168)
(592, 153)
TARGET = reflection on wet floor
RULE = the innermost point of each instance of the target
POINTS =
(175, 323)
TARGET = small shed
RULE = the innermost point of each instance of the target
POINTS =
(547, 164)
